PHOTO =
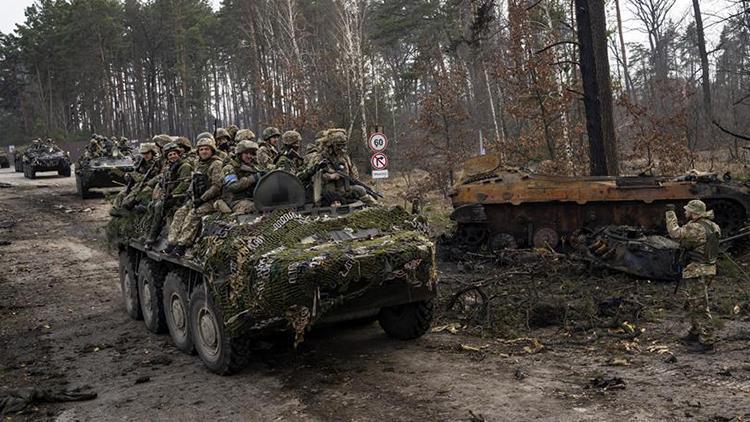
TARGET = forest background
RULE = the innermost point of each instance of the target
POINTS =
(444, 79)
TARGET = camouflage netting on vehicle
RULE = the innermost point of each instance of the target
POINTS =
(288, 266)
(132, 226)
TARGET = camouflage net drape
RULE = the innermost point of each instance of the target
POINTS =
(288, 266)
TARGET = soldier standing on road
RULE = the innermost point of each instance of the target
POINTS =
(268, 149)
(700, 239)
(174, 183)
(186, 220)
(240, 176)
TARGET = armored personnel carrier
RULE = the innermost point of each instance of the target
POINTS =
(102, 172)
(287, 266)
(4, 161)
(42, 158)
(506, 207)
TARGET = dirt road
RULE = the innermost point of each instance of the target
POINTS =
(63, 326)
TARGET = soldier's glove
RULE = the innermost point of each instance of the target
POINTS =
(670, 207)
(197, 202)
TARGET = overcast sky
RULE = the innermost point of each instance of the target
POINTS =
(11, 13)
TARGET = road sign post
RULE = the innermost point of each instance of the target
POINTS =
(378, 142)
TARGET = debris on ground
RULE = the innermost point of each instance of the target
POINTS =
(6, 224)
(5, 185)
(607, 382)
(142, 380)
(69, 210)
(18, 401)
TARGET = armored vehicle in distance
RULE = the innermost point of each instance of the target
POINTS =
(507, 207)
(102, 172)
(287, 266)
(43, 158)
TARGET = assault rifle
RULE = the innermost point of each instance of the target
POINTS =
(146, 177)
(339, 169)
(289, 153)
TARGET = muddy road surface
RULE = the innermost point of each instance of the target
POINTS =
(63, 328)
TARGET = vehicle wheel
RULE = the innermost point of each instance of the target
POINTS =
(408, 321)
(80, 190)
(64, 172)
(176, 307)
(32, 173)
(220, 353)
(150, 282)
(129, 286)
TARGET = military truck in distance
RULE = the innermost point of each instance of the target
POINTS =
(287, 266)
(4, 161)
(101, 172)
(498, 207)
(45, 158)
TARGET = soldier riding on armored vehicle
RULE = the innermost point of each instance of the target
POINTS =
(279, 262)
(45, 156)
(103, 164)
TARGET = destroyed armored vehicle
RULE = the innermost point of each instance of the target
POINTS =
(505, 207)
(102, 172)
(287, 266)
(4, 161)
(42, 158)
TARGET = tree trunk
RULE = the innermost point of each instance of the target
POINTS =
(592, 38)
(705, 77)
(623, 52)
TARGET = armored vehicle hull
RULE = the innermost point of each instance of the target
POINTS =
(288, 266)
(45, 159)
(101, 172)
(512, 207)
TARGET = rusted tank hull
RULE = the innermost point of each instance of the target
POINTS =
(517, 208)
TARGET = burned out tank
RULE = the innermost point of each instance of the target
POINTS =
(40, 158)
(287, 266)
(107, 171)
(4, 160)
(505, 207)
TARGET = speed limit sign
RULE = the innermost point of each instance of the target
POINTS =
(378, 142)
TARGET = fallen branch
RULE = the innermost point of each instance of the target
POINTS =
(729, 132)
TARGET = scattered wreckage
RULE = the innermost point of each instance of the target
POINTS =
(502, 207)
(289, 265)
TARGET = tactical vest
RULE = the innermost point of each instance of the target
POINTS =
(710, 249)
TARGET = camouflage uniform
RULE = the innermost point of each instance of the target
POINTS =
(174, 183)
(267, 152)
(289, 158)
(187, 219)
(699, 237)
(224, 141)
(141, 190)
(327, 186)
(240, 179)
(233, 129)
(189, 153)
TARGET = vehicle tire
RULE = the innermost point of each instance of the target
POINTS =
(408, 321)
(80, 190)
(176, 309)
(32, 173)
(129, 286)
(150, 282)
(220, 353)
(64, 172)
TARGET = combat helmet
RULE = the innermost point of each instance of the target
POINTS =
(172, 146)
(291, 138)
(161, 140)
(206, 142)
(203, 135)
(336, 138)
(148, 147)
(233, 129)
(270, 132)
(184, 143)
(244, 146)
(222, 133)
(244, 135)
